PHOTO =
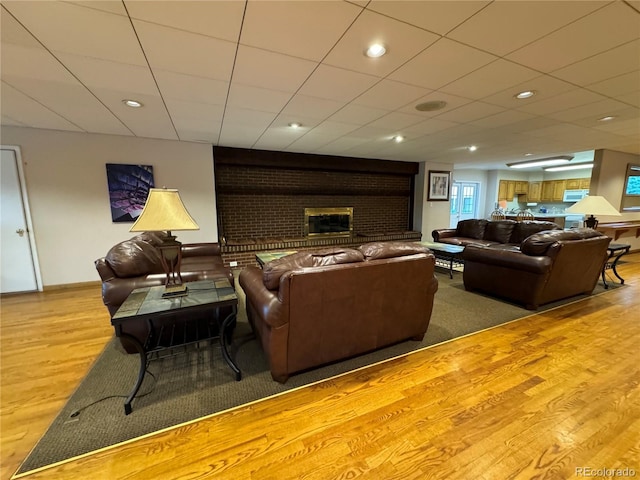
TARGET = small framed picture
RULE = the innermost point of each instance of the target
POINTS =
(439, 185)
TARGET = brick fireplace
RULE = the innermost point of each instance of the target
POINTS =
(262, 197)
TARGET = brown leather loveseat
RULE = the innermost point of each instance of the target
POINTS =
(497, 233)
(315, 307)
(135, 263)
(548, 266)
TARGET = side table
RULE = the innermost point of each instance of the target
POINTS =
(148, 305)
(615, 251)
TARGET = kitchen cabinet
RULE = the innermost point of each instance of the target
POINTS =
(506, 190)
(547, 191)
(521, 187)
(559, 186)
(578, 184)
(535, 192)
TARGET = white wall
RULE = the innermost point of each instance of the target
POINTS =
(607, 180)
(67, 189)
(431, 215)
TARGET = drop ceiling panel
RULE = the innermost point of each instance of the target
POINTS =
(317, 108)
(250, 118)
(300, 29)
(470, 112)
(394, 122)
(108, 6)
(260, 68)
(564, 101)
(430, 126)
(60, 25)
(439, 16)
(12, 33)
(521, 22)
(219, 19)
(611, 63)
(618, 86)
(25, 62)
(75, 103)
(337, 84)
(440, 64)
(254, 98)
(581, 39)
(150, 121)
(184, 52)
(333, 129)
(190, 88)
(402, 41)
(390, 95)
(503, 118)
(594, 111)
(492, 78)
(545, 87)
(96, 73)
(27, 111)
(357, 114)
(310, 141)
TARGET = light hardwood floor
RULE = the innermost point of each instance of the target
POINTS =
(536, 398)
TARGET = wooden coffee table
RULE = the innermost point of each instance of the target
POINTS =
(148, 305)
(447, 255)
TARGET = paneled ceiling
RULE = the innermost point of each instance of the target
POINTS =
(237, 73)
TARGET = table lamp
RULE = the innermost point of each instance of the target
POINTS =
(164, 211)
(593, 205)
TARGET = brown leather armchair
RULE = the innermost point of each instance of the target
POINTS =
(313, 308)
(135, 263)
(549, 266)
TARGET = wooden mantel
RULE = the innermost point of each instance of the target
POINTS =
(618, 228)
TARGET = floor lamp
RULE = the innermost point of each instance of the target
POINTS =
(164, 211)
(593, 205)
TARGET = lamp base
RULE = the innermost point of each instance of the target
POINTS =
(591, 222)
(175, 291)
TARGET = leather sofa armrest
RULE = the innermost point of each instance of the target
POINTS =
(507, 259)
(104, 270)
(443, 233)
(271, 308)
(201, 250)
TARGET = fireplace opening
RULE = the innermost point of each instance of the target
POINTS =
(336, 222)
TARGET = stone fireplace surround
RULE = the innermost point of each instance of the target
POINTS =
(262, 195)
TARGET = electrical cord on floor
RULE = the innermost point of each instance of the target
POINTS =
(78, 411)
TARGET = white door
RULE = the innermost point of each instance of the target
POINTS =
(464, 202)
(17, 266)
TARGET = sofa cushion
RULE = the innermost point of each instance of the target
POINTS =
(133, 258)
(378, 250)
(335, 256)
(273, 270)
(499, 230)
(539, 243)
(473, 228)
(526, 228)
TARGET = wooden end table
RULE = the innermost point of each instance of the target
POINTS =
(148, 305)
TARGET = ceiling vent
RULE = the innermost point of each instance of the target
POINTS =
(431, 106)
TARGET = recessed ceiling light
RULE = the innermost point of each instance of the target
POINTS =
(542, 162)
(398, 138)
(132, 103)
(525, 94)
(528, 154)
(431, 106)
(472, 148)
(375, 50)
(295, 125)
(606, 119)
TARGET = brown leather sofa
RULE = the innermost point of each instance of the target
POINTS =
(313, 308)
(135, 263)
(506, 234)
(548, 266)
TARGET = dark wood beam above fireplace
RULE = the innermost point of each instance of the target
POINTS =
(298, 161)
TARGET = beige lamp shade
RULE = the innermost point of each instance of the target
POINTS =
(594, 205)
(164, 211)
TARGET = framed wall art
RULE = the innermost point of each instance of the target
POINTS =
(128, 190)
(439, 185)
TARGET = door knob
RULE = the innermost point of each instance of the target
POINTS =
(20, 232)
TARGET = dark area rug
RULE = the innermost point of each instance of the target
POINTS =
(198, 382)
